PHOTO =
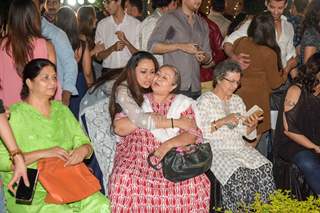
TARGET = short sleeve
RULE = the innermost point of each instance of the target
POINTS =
(99, 33)
(132, 109)
(159, 33)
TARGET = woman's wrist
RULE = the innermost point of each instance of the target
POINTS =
(14, 154)
(89, 150)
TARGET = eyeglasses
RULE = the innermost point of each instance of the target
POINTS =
(232, 81)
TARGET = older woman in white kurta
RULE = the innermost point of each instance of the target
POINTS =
(241, 170)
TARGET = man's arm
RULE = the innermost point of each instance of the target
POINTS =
(67, 66)
(242, 59)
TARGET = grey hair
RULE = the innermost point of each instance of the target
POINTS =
(177, 76)
(223, 68)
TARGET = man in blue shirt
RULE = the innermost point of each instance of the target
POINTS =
(67, 66)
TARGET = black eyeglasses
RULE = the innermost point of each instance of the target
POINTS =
(232, 81)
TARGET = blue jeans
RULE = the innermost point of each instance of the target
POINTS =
(309, 163)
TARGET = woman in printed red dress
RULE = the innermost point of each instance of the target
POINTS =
(134, 186)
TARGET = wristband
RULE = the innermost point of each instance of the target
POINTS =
(172, 123)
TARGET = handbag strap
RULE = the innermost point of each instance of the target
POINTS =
(154, 166)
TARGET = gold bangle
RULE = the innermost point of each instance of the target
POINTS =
(14, 153)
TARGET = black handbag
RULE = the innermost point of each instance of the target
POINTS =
(182, 165)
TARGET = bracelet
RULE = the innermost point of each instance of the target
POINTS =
(14, 153)
(172, 123)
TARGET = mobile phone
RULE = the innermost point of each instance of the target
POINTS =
(24, 194)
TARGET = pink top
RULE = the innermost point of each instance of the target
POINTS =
(10, 81)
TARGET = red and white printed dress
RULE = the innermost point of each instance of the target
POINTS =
(136, 187)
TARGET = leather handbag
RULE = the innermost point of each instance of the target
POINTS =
(66, 184)
(180, 164)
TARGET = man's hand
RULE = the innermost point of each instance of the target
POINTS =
(122, 37)
(243, 60)
(190, 48)
(66, 95)
(118, 46)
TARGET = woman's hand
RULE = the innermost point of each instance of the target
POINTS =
(252, 121)
(77, 155)
(232, 119)
(185, 123)
(20, 170)
(56, 152)
(162, 150)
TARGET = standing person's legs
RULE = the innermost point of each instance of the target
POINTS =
(309, 163)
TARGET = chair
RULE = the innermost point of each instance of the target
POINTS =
(95, 118)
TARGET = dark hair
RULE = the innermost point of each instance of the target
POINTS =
(253, 7)
(221, 70)
(138, 4)
(160, 3)
(177, 77)
(110, 75)
(67, 21)
(300, 5)
(262, 31)
(268, 1)
(307, 75)
(86, 17)
(312, 17)
(129, 75)
(218, 5)
(23, 26)
(31, 71)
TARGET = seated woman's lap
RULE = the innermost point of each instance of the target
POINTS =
(94, 203)
(309, 163)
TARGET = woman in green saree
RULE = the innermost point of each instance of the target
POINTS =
(46, 128)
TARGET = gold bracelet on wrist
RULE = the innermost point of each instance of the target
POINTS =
(14, 153)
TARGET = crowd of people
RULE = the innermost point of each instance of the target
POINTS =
(117, 89)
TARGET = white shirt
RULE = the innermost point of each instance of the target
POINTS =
(147, 27)
(105, 33)
(285, 41)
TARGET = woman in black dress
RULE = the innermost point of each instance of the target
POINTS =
(297, 138)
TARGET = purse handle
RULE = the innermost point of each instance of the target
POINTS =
(154, 166)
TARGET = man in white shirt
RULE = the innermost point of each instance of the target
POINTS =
(147, 26)
(284, 35)
(119, 33)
